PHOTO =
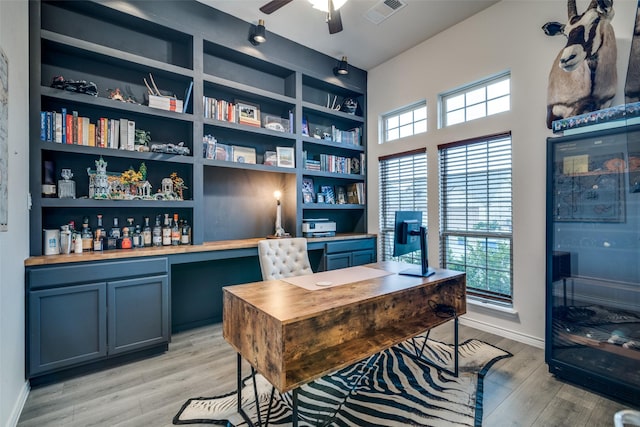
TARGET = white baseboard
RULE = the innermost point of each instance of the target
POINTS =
(19, 405)
(507, 333)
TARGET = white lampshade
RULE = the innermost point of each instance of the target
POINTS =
(323, 5)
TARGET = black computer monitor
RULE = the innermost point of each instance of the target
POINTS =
(410, 236)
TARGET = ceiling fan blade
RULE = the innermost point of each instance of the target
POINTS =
(274, 5)
(334, 20)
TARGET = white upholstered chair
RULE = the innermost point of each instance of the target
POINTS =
(281, 258)
(626, 417)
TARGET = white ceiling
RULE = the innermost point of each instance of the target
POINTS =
(364, 43)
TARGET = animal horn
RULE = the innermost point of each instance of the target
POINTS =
(572, 10)
(593, 4)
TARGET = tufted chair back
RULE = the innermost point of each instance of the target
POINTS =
(283, 258)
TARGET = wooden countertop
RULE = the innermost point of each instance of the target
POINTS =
(220, 245)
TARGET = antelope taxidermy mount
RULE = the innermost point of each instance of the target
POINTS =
(583, 77)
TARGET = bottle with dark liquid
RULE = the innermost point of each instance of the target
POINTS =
(99, 238)
(175, 231)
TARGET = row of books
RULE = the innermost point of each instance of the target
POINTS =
(356, 193)
(166, 103)
(219, 109)
(335, 164)
(70, 128)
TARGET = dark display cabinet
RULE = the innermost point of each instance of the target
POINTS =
(593, 260)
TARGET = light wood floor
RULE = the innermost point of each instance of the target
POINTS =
(518, 391)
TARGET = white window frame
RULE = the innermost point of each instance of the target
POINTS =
(400, 173)
(476, 214)
(476, 100)
(404, 122)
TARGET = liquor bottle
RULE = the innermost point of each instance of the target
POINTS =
(166, 231)
(175, 231)
(146, 233)
(157, 233)
(185, 238)
(138, 241)
(125, 242)
(99, 239)
(114, 235)
(87, 237)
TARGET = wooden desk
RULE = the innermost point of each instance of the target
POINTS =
(293, 336)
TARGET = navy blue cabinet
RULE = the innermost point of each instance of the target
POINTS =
(349, 253)
(99, 311)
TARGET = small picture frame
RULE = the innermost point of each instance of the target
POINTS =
(275, 123)
(223, 152)
(244, 154)
(341, 195)
(270, 158)
(248, 113)
(285, 157)
(308, 191)
(320, 197)
(329, 195)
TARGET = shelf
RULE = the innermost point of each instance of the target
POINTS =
(353, 177)
(94, 50)
(109, 203)
(329, 113)
(244, 90)
(332, 144)
(108, 152)
(603, 346)
(248, 129)
(331, 206)
(106, 103)
(248, 166)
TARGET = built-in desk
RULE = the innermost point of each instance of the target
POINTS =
(93, 307)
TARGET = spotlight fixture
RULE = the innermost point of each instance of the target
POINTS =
(258, 35)
(343, 67)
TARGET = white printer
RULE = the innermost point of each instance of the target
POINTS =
(318, 227)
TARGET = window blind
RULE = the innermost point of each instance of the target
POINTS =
(403, 186)
(476, 213)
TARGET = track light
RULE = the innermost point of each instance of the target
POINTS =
(259, 33)
(343, 67)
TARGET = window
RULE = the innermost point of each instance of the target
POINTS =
(406, 122)
(472, 102)
(403, 186)
(476, 218)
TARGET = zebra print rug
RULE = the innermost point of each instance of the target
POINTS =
(391, 388)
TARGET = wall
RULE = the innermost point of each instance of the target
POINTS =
(507, 36)
(14, 248)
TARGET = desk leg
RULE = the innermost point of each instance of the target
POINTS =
(294, 402)
(455, 346)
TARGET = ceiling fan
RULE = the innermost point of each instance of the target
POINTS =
(333, 14)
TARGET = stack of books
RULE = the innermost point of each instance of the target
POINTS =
(165, 103)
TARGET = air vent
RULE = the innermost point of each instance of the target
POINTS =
(383, 10)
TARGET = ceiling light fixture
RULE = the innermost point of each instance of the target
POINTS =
(259, 33)
(343, 67)
(323, 5)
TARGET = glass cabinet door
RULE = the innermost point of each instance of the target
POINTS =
(593, 274)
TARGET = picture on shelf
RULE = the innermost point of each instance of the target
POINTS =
(341, 195)
(270, 158)
(248, 114)
(286, 157)
(305, 127)
(275, 123)
(308, 191)
(329, 195)
(244, 154)
(223, 152)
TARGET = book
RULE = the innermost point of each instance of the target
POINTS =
(63, 113)
(58, 127)
(80, 130)
(74, 125)
(329, 195)
(116, 134)
(92, 135)
(69, 139)
(352, 194)
(43, 125)
(86, 130)
(187, 97)
(131, 135)
(124, 134)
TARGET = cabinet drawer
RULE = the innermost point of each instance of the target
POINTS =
(350, 245)
(44, 277)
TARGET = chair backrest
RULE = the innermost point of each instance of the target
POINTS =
(626, 417)
(281, 258)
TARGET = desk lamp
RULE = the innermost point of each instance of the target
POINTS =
(279, 229)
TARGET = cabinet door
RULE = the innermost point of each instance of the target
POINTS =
(138, 313)
(362, 257)
(340, 260)
(67, 326)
